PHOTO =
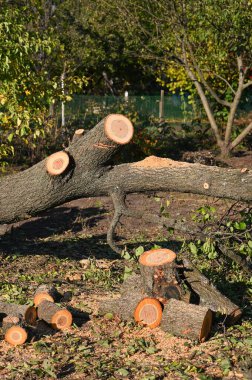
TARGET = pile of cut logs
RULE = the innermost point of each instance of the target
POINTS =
(172, 294)
(19, 322)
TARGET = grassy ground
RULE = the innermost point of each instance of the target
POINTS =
(67, 247)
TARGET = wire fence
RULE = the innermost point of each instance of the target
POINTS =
(173, 108)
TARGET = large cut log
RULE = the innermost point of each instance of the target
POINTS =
(89, 173)
(209, 296)
(187, 320)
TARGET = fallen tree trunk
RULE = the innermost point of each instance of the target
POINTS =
(209, 296)
(89, 174)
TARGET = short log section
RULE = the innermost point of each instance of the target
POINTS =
(159, 273)
(187, 320)
(14, 330)
(148, 312)
(45, 293)
(124, 306)
(27, 312)
(57, 163)
(58, 318)
(210, 296)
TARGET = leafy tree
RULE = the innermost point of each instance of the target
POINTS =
(26, 85)
(203, 47)
(95, 48)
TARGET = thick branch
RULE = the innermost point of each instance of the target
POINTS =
(204, 82)
(241, 136)
(235, 102)
(205, 102)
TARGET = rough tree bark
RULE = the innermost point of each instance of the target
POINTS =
(90, 173)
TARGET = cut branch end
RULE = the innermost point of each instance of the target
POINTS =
(118, 128)
(57, 163)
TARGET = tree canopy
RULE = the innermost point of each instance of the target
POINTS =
(199, 47)
(203, 47)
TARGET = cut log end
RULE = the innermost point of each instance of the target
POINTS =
(16, 335)
(40, 297)
(118, 128)
(157, 257)
(62, 320)
(206, 326)
(148, 312)
(57, 163)
(30, 315)
(79, 132)
(234, 317)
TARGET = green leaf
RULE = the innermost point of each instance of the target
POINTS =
(139, 250)
(193, 248)
(123, 372)
(10, 137)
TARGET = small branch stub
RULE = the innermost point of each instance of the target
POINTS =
(78, 134)
(59, 319)
(148, 312)
(57, 163)
(118, 128)
(206, 186)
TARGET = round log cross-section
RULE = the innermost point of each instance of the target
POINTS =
(14, 331)
(16, 335)
(149, 312)
(118, 128)
(57, 163)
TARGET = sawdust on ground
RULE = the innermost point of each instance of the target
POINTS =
(159, 162)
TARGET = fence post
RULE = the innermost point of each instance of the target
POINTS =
(62, 103)
(161, 106)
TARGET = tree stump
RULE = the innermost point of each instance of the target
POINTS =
(14, 330)
(59, 319)
(187, 320)
(27, 312)
(45, 293)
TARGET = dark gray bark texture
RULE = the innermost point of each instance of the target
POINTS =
(209, 296)
(90, 174)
